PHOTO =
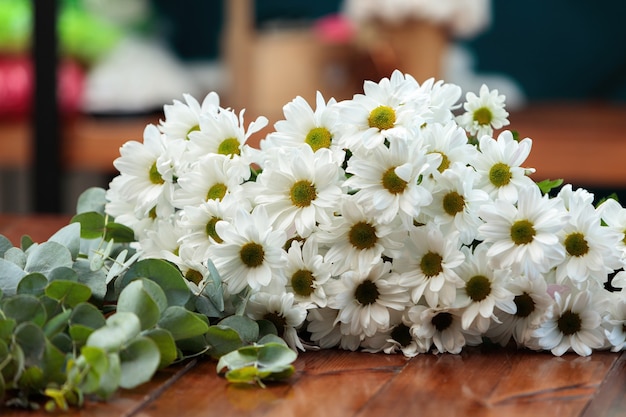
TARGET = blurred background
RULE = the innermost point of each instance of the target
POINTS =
(80, 77)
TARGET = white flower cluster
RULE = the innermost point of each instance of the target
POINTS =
(383, 222)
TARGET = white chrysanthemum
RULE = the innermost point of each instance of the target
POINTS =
(356, 240)
(614, 215)
(327, 333)
(162, 239)
(282, 311)
(123, 209)
(148, 170)
(387, 180)
(524, 237)
(573, 324)
(485, 290)
(591, 252)
(483, 113)
(441, 100)
(301, 190)
(499, 165)
(614, 320)
(368, 119)
(532, 302)
(307, 273)
(456, 202)
(305, 126)
(442, 328)
(210, 178)
(428, 263)
(364, 298)
(251, 253)
(449, 141)
(397, 339)
(183, 118)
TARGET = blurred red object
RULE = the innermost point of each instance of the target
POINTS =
(17, 86)
(334, 29)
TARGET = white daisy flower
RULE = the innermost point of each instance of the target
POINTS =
(387, 180)
(614, 321)
(524, 237)
(449, 141)
(483, 113)
(356, 240)
(251, 252)
(305, 126)
(400, 339)
(456, 201)
(282, 311)
(184, 118)
(327, 333)
(441, 328)
(573, 324)
(307, 273)
(427, 265)
(532, 303)
(499, 164)
(365, 297)
(441, 100)
(485, 290)
(614, 216)
(301, 190)
(368, 119)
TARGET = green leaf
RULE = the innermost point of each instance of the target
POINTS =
(86, 371)
(25, 308)
(139, 360)
(120, 329)
(80, 333)
(11, 275)
(213, 288)
(62, 342)
(547, 185)
(88, 315)
(91, 224)
(70, 293)
(48, 256)
(110, 378)
(144, 298)
(163, 273)
(26, 242)
(53, 364)
(63, 273)
(68, 236)
(247, 328)
(95, 280)
(33, 284)
(32, 379)
(7, 326)
(276, 356)
(166, 344)
(204, 305)
(57, 324)
(5, 245)
(119, 233)
(17, 256)
(223, 340)
(182, 323)
(245, 375)
(240, 358)
(267, 328)
(91, 200)
(31, 339)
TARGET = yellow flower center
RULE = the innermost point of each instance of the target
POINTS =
(453, 203)
(430, 264)
(382, 118)
(522, 232)
(210, 229)
(229, 146)
(362, 235)
(302, 282)
(318, 138)
(445, 161)
(195, 128)
(252, 254)
(216, 192)
(500, 174)
(576, 244)
(392, 182)
(478, 287)
(193, 276)
(483, 116)
(302, 193)
(155, 175)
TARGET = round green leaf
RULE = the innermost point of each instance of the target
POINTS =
(163, 273)
(48, 256)
(5, 244)
(53, 364)
(182, 323)
(91, 224)
(33, 284)
(87, 315)
(6, 328)
(110, 379)
(69, 293)
(80, 333)
(31, 339)
(25, 308)
(63, 273)
(144, 298)
(120, 329)
(17, 256)
(222, 340)
(166, 344)
(139, 360)
(91, 200)
(247, 328)
(119, 233)
(11, 275)
(68, 236)
(57, 323)
(276, 356)
(95, 280)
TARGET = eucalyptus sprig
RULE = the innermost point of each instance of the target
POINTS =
(82, 316)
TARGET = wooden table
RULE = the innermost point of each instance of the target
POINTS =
(480, 381)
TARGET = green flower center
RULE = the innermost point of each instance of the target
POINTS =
(478, 287)
(576, 244)
(278, 320)
(382, 118)
(366, 293)
(302, 193)
(302, 282)
(522, 232)
(569, 323)
(155, 175)
(525, 305)
(442, 321)
(392, 182)
(402, 334)
(229, 146)
(483, 116)
(431, 264)
(318, 138)
(453, 203)
(252, 254)
(500, 174)
(210, 229)
(362, 235)
(216, 192)
(193, 276)
(195, 128)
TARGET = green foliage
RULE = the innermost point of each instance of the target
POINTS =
(81, 316)
(547, 185)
